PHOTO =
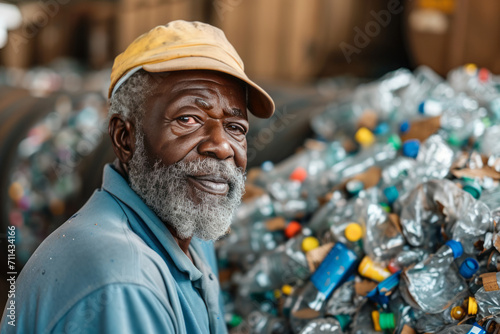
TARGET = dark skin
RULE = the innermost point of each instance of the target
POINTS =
(191, 115)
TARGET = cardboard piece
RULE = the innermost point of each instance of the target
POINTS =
(478, 172)
(490, 282)
(369, 119)
(364, 286)
(422, 129)
(276, 224)
(316, 256)
(496, 242)
(370, 178)
(408, 330)
(306, 313)
(394, 218)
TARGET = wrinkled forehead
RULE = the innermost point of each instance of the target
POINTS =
(203, 83)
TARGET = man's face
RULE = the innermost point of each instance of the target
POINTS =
(197, 115)
(191, 151)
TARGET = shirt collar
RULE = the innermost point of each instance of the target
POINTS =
(118, 187)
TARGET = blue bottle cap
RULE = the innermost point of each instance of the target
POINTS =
(404, 127)
(267, 166)
(381, 129)
(469, 267)
(476, 329)
(421, 107)
(391, 193)
(456, 247)
(411, 147)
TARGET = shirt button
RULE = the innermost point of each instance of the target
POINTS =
(211, 276)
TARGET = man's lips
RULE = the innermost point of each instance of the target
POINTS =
(210, 183)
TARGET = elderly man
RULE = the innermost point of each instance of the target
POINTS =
(138, 257)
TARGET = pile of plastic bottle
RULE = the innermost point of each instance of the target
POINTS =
(63, 74)
(387, 221)
(46, 170)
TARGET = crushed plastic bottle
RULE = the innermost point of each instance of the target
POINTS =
(332, 325)
(433, 284)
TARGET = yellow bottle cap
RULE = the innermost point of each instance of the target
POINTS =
(287, 289)
(472, 308)
(369, 269)
(353, 232)
(16, 191)
(309, 243)
(277, 293)
(376, 321)
(457, 313)
(470, 69)
(364, 136)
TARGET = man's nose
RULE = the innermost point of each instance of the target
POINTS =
(216, 142)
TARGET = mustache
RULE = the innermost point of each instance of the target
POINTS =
(218, 170)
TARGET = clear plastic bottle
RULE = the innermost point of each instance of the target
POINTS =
(331, 325)
(427, 83)
(466, 219)
(362, 322)
(461, 116)
(287, 264)
(456, 312)
(247, 243)
(376, 154)
(406, 258)
(344, 300)
(433, 284)
(264, 323)
(488, 296)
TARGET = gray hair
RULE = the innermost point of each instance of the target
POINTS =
(131, 96)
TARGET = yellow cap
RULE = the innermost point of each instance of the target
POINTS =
(472, 308)
(277, 293)
(309, 243)
(181, 45)
(369, 269)
(16, 191)
(287, 289)
(353, 232)
(376, 321)
(470, 68)
(457, 313)
(364, 136)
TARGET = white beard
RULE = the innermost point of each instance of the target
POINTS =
(166, 191)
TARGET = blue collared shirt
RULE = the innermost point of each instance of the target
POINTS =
(114, 267)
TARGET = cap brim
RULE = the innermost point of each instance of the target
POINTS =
(259, 102)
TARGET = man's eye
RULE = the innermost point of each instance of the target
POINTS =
(187, 120)
(237, 128)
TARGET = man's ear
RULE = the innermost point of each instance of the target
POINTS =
(122, 132)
